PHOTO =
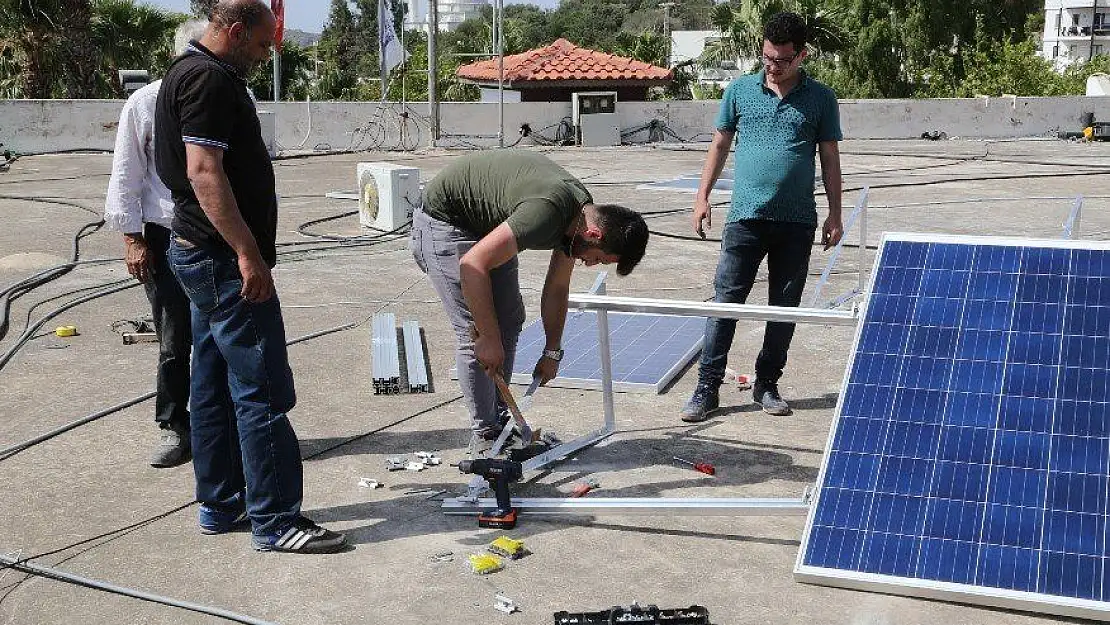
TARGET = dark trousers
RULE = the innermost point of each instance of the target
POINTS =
(242, 389)
(744, 244)
(170, 309)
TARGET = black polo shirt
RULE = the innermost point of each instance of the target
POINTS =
(204, 101)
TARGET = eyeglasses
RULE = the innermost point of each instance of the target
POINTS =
(780, 63)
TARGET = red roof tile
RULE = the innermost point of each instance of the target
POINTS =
(563, 60)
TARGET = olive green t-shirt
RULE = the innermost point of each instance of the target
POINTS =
(479, 192)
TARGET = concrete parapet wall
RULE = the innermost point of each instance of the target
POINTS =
(32, 126)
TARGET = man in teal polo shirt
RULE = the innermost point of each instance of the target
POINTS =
(780, 119)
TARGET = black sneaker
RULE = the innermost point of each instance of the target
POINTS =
(766, 394)
(302, 536)
(705, 401)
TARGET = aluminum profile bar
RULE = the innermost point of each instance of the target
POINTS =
(386, 363)
(1071, 226)
(749, 312)
(859, 213)
(636, 506)
(565, 449)
(414, 357)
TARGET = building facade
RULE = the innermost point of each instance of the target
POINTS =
(451, 13)
(1075, 30)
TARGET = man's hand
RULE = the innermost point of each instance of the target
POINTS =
(832, 231)
(137, 256)
(702, 213)
(546, 370)
(258, 284)
(490, 353)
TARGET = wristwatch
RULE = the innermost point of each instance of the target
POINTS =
(553, 354)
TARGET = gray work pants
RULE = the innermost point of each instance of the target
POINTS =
(437, 247)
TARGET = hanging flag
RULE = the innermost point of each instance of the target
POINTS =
(393, 54)
(278, 7)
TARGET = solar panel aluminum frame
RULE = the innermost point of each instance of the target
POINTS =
(923, 588)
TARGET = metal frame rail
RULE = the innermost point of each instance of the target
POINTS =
(604, 304)
(385, 361)
(414, 357)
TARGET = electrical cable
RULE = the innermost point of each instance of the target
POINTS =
(18, 289)
(29, 333)
(63, 576)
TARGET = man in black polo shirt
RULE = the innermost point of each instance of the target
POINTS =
(211, 155)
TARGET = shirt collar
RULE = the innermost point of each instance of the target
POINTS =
(803, 81)
(195, 47)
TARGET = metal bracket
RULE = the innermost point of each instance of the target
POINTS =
(504, 604)
(130, 338)
(1071, 226)
(859, 213)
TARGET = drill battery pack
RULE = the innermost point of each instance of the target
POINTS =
(488, 519)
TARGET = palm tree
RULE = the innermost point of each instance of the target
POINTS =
(81, 61)
(648, 46)
(131, 36)
(33, 39)
(741, 25)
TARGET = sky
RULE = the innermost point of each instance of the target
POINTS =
(306, 15)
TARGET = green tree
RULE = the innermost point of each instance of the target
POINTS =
(130, 36)
(591, 24)
(1005, 68)
(296, 70)
(903, 47)
(649, 47)
(34, 40)
(526, 28)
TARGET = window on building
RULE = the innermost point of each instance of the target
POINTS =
(1071, 51)
(1097, 49)
(1055, 51)
(1075, 19)
(1099, 18)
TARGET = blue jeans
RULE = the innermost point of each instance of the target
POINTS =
(744, 244)
(241, 389)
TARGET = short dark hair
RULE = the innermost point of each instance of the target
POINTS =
(786, 28)
(250, 13)
(625, 234)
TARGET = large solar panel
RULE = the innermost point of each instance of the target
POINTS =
(969, 455)
(647, 351)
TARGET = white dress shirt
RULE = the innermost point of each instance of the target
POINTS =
(136, 194)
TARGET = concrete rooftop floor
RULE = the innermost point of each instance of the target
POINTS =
(95, 479)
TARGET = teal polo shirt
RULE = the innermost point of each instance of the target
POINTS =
(776, 145)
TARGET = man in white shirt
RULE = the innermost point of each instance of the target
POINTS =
(139, 206)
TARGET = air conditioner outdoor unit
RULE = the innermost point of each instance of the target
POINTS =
(595, 118)
(133, 79)
(387, 194)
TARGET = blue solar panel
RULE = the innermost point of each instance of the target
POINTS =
(646, 350)
(971, 447)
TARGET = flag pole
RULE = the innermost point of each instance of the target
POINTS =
(381, 46)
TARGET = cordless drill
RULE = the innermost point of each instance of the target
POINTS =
(499, 474)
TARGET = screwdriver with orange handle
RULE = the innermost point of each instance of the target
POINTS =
(701, 467)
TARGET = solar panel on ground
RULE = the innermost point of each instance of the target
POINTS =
(647, 350)
(969, 455)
